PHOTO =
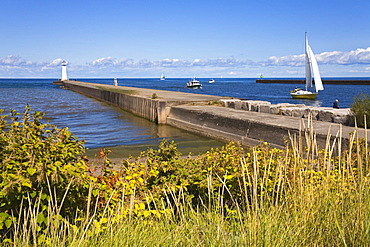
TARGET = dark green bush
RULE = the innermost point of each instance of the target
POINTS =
(360, 110)
(41, 166)
(218, 172)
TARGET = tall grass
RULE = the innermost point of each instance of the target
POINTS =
(316, 198)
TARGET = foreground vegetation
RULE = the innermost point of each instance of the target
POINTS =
(360, 110)
(52, 195)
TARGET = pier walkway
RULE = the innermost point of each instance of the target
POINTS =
(210, 115)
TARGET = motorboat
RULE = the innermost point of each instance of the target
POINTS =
(194, 83)
(211, 81)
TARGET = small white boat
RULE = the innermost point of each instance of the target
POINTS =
(194, 83)
(162, 77)
(312, 70)
(211, 81)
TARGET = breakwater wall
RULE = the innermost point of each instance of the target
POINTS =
(253, 128)
(226, 119)
(150, 104)
(229, 125)
(141, 105)
(296, 81)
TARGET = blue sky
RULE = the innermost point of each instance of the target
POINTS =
(145, 38)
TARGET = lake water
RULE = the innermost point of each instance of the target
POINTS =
(102, 125)
(247, 88)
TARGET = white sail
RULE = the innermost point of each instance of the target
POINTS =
(315, 70)
(312, 68)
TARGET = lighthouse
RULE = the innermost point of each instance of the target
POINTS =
(64, 71)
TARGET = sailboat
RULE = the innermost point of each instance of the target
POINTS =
(312, 71)
(162, 77)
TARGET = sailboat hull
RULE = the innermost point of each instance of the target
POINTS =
(300, 95)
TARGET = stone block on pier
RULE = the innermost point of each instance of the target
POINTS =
(254, 105)
(327, 114)
(244, 105)
(301, 111)
(324, 114)
(341, 120)
(240, 105)
(276, 109)
(230, 103)
(265, 108)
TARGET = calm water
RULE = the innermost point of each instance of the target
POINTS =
(105, 126)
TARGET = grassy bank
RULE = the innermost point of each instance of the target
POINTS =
(231, 196)
(318, 203)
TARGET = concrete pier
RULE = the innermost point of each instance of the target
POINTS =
(151, 104)
(250, 128)
(224, 118)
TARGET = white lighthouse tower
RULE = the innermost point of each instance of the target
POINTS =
(64, 71)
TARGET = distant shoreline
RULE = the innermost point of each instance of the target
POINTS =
(302, 81)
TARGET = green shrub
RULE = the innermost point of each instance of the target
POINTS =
(215, 175)
(360, 110)
(40, 165)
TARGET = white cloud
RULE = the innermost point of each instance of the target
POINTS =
(16, 66)
(106, 61)
(52, 65)
(175, 62)
(125, 62)
(358, 56)
(12, 60)
(293, 60)
(172, 63)
(56, 62)
(222, 62)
